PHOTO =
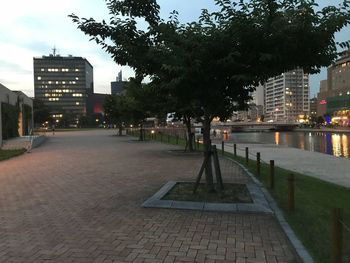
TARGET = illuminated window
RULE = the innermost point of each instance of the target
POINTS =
(77, 70)
(76, 78)
(77, 103)
(39, 78)
(42, 69)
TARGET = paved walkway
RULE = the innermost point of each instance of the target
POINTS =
(78, 197)
(326, 167)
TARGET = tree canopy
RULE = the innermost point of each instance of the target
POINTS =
(208, 67)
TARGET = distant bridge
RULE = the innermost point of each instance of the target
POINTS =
(255, 126)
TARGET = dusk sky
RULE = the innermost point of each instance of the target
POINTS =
(32, 28)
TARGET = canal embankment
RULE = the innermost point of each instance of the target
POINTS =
(322, 166)
(323, 129)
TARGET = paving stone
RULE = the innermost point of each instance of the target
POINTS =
(78, 198)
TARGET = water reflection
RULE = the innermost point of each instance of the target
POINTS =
(337, 144)
(277, 138)
(345, 144)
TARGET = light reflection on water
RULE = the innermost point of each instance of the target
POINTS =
(337, 144)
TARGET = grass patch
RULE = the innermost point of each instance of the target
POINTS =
(314, 200)
(233, 193)
(7, 154)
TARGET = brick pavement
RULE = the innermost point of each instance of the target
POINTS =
(78, 198)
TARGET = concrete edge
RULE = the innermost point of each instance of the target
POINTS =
(39, 141)
(299, 248)
(259, 205)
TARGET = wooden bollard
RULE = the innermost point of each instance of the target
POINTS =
(246, 155)
(291, 181)
(337, 235)
(258, 164)
(235, 150)
(223, 148)
(272, 174)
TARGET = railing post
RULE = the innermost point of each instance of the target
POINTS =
(235, 150)
(291, 181)
(258, 164)
(223, 148)
(272, 174)
(246, 155)
(337, 235)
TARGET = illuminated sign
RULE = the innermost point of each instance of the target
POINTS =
(323, 102)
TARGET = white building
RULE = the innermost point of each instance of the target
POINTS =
(22, 104)
(287, 97)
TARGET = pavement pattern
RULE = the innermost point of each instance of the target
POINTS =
(78, 197)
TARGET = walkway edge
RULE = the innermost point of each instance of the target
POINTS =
(299, 248)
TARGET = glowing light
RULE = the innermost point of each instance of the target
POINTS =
(277, 138)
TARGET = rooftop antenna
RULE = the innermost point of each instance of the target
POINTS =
(54, 51)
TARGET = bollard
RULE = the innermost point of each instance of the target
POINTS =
(258, 164)
(177, 139)
(291, 180)
(246, 155)
(272, 174)
(223, 148)
(337, 235)
(235, 150)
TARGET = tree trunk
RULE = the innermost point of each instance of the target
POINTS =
(187, 121)
(207, 152)
(141, 132)
(120, 127)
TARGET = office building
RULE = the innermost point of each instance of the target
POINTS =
(64, 85)
(334, 96)
(313, 107)
(287, 97)
(118, 86)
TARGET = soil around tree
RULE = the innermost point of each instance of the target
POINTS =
(233, 193)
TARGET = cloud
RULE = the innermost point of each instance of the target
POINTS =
(8, 66)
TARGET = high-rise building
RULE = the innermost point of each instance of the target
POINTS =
(287, 97)
(334, 96)
(117, 87)
(64, 85)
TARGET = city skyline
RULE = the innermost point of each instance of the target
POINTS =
(34, 29)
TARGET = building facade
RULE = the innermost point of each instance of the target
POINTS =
(334, 96)
(64, 84)
(287, 97)
(16, 109)
(118, 86)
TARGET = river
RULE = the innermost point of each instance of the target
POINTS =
(333, 143)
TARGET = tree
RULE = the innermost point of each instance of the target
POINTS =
(213, 64)
(117, 110)
(41, 112)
